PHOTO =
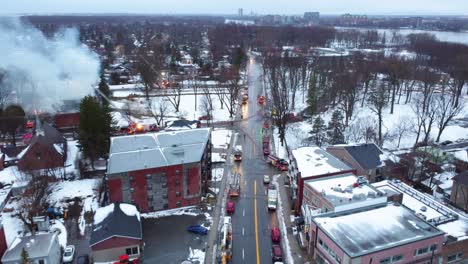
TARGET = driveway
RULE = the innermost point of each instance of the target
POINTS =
(167, 241)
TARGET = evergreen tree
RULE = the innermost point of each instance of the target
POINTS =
(318, 131)
(25, 257)
(95, 128)
(104, 89)
(336, 128)
(312, 95)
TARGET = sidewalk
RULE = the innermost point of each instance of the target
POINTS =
(218, 212)
(299, 255)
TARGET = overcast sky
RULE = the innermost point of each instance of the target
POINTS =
(432, 7)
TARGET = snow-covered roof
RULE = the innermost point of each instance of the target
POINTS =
(314, 161)
(452, 221)
(368, 231)
(37, 246)
(116, 220)
(340, 192)
(153, 150)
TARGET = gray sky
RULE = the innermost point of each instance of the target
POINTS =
(432, 7)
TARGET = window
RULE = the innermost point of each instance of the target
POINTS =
(177, 171)
(330, 252)
(164, 185)
(394, 259)
(150, 198)
(178, 203)
(41, 261)
(177, 194)
(131, 251)
(397, 258)
(165, 206)
(433, 248)
(148, 176)
(386, 261)
(177, 182)
(149, 187)
(165, 195)
(421, 251)
(455, 257)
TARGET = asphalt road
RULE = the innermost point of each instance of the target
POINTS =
(252, 221)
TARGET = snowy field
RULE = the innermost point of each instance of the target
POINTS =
(140, 112)
(298, 133)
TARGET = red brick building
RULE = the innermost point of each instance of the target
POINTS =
(3, 242)
(47, 150)
(67, 122)
(158, 171)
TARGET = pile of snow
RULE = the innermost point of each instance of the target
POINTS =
(196, 256)
(286, 246)
(60, 227)
(130, 210)
(72, 156)
(102, 213)
(189, 210)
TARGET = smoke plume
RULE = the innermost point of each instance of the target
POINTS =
(42, 72)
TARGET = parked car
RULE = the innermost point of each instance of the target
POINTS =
(266, 179)
(204, 117)
(230, 207)
(84, 259)
(68, 254)
(197, 229)
(277, 253)
(275, 235)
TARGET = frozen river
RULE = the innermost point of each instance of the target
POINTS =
(457, 37)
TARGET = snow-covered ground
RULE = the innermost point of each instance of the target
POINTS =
(217, 174)
(140, 113)
(298, 133)
(220, 138)
(196, 255)
(217, 157)
(86, 190)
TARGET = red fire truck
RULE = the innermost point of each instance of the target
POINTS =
(266, 145)
(278, 163)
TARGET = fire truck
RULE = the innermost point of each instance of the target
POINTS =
(278, 163)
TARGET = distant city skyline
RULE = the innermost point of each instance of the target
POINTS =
(212, 7)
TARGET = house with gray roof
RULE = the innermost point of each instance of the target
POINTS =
(42, 248)
(116, 231)
(364, 158)
(158, 171)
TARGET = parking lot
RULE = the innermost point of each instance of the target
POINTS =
(167, 240)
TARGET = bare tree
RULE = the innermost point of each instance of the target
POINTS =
(378, 101)
(230, 93)
(174, 94)
(279, 91)
(402, 128)
(348, 82)
(33, 200)
(159, 109)
(445, 111)
(208, 95)
(207, 108)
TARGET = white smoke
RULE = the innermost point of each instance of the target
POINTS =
(45, 71)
